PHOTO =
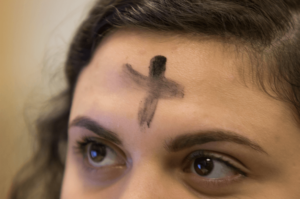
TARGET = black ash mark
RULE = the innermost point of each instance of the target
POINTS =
(157, 86)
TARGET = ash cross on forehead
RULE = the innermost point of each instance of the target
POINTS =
(157, 86)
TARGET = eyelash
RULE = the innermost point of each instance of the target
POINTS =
(212, 155)
(81, 148)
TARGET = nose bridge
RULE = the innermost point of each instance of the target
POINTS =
(145, 181)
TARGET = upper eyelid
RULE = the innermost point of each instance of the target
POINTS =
(229, 161)
(208, 153)
(82, 144)
(117, 149)
(98, 140)
(174, 144)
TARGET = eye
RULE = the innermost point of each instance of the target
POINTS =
(213, 173)
(99, 162)
(213, 166)
(99, 155)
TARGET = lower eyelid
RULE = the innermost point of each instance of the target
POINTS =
(226, 180)
(214, 187)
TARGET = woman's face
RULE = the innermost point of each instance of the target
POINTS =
(165, 116)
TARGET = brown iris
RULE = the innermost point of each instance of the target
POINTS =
(97, 152)
(203, 166)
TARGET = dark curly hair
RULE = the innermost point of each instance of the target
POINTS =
(269, 29)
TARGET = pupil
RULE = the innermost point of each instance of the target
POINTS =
(203, 166)
(97, 152)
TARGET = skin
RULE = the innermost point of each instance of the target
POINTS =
(216, 99)
(156, 84)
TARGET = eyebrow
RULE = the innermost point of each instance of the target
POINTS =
(95, 127)
(178, 143)
(188, 140)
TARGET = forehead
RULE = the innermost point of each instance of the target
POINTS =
(207, 70)
(189, 59)
(203, 67)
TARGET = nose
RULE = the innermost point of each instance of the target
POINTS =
(148, 181)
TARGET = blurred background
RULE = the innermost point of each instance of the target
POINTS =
(34, 37)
